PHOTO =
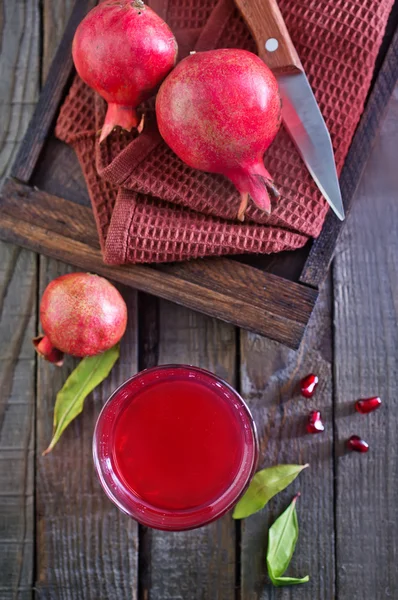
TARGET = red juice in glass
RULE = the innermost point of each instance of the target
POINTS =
(175, 447)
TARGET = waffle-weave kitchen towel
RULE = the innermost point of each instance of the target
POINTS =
(151, 207)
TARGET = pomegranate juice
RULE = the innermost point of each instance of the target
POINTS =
(175, 447)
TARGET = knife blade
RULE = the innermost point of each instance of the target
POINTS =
(304, 122)
(300, 112)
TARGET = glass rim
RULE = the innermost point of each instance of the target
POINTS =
(149, 514)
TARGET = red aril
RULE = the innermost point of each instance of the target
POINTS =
(82, 315)
(367, 405)
(123, 50)
(219, 111)
(357, 444)
(308, 385)
(315, 424)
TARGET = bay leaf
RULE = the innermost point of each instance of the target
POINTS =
(264, 486)
(89, 373)
(282, 539)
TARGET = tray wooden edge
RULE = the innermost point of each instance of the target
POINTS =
(50, 99)
(239, 294)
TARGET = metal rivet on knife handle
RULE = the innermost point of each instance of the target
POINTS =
(271, 45)
(266, 23)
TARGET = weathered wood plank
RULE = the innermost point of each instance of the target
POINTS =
(200, 563)
(18, 271)
(366, 342)
(19, 74)
(269, 377)
(19, 90)
(55, 18)
(50, 97)
(86, 548)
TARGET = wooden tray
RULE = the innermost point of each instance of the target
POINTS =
(45, 207)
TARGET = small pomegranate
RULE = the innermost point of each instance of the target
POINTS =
(315, 424)
(219, 111)
(357, 444)
(308, 385)
(123, 50)
(82, 315)
(367, 405)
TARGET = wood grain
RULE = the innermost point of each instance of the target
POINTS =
(226, 289)
(86, 548)
(17, 409)
(19, 75)
(269, 380)
(199, 563)
(50, 98)
(265, 22)
(366, 342)
(19, 90)
(84, 543)
(55, 14)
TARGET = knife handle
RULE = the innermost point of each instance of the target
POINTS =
(265, 21)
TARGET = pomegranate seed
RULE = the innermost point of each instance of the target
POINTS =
(357, 444)
(308, 385)
(367, 405)
(315, 424)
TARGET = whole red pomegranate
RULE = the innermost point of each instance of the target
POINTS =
(219, 111)
(81, 314)
(123, 50)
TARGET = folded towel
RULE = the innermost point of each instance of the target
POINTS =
(151, 207)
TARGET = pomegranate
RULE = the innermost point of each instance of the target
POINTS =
(367, 405)
(308, 385)
(314, 423)
(81, 314)
(123, 50)
(357, 444)
(219, 111)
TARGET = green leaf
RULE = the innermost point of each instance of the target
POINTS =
(89, 373)
(281, 581)
(282, 538)
(264, 486)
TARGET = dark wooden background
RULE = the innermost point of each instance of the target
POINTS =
(61, 539)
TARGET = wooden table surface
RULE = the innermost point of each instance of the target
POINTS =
(61, 539)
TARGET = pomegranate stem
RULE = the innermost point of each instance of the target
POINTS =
(119, 116)
(44, 348)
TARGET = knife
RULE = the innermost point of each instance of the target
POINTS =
(300, 112)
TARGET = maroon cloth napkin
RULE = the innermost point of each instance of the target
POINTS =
(151, 207)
